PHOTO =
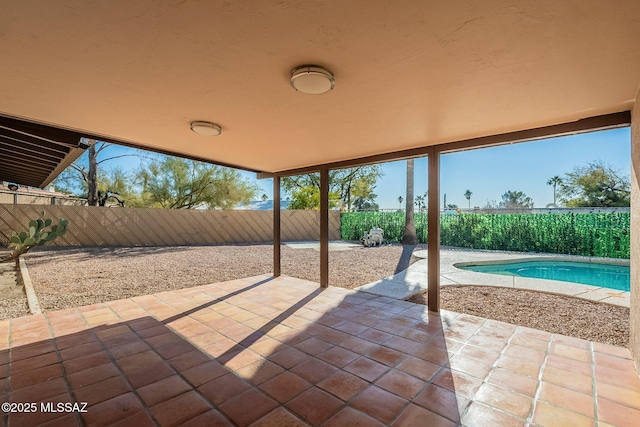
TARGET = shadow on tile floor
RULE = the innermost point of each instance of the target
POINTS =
(270, 352)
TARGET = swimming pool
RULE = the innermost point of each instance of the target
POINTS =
(602, 275)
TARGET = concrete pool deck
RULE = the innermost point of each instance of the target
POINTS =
(414, 280)
(334, 245)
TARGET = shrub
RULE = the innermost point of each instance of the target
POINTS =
(588, 234)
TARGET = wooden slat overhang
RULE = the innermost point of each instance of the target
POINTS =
(33, 154)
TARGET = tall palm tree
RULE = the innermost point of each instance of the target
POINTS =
(555, 181)
(467, 195)
(409, 237)
(400, 199)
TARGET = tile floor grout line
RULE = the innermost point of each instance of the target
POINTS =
(431, 383)
(177, 371)
(543, 366)
(312, 385)
(424, 387)
(594, 384)
(251, 386)
(230, 371)
(61, 362)
(373, 381)
(346, 404)
(497, 385)
(122, 375)
(446, 365)
(466, 410)
(283, 404)
(7, 386)
(326, 308)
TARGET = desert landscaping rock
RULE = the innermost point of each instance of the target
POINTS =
(13, 302)
(73, 277)
(557, 314)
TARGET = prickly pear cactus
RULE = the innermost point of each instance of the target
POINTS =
(40, 232)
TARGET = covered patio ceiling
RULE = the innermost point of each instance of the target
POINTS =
(408, 74)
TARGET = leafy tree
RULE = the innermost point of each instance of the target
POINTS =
(364, 199)
(115, 186)
(555, 181)
(595, 185)
(420, 202)
(308, 198)
(515, 200)
(363, 195)
(176, 183)
(467, 195)
(345, 187)
(491, 204)
(409, 236)
(361, 204)
(84, 177)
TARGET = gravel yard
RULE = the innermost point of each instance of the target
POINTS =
(13, 302)
(557, 314)
(72, 277)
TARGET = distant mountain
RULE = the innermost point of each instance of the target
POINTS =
(261, 205)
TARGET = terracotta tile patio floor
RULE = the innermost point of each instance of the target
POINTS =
(283, 352)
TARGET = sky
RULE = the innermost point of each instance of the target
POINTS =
(487, 173)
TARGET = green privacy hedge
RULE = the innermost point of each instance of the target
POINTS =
(590, 234)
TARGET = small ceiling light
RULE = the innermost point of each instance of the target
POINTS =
(312, 79)
(206, 128)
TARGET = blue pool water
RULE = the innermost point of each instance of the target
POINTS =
(603, 275)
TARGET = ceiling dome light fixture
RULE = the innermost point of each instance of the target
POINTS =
(206, 128)
(312, 79)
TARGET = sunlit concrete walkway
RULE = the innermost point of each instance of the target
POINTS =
(334, 245)
(413, 280)
(275, 352)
